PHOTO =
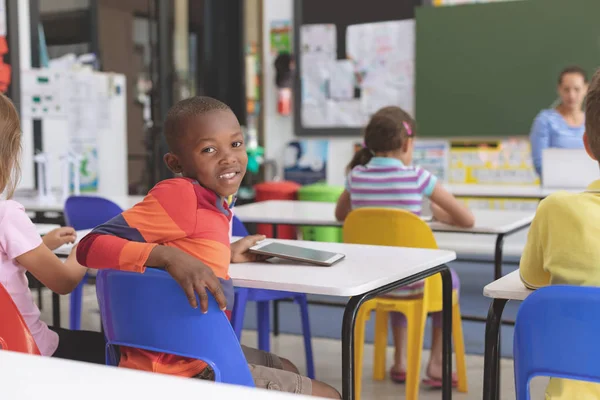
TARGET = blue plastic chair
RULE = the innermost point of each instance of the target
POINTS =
(556, 335)
(263, 298)
(85, 212)
(150, 311)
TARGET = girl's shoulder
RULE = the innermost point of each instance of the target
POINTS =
(10, 209)
(9, 206)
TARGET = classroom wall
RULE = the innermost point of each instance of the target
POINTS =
(279, 130)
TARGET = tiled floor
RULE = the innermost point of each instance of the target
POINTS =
(327, 354)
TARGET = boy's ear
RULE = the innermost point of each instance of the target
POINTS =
(586, 144)
(173, 163)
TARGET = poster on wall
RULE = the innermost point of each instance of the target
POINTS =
(432, 155)
(378, 71)
(305, 161)
(492, 162)
(281, 37)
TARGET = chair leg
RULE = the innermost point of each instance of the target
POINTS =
(263, 325)
(380, 345)
(75, 304)
(415, 318)
(459, 349)
(310, 367)
(239, 311)
(359, 344)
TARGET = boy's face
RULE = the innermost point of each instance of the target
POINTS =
(212, 151)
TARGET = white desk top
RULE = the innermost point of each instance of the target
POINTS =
(290, 212)
(28, 377)
(322, 214)
(504, 191)
(365, 268)
(490, 222)
(43, 229)
(508, 287)
(55, 204)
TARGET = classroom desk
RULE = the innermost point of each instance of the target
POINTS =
(499, 223)
(390, 267)
(350, 278)
(56, 204)
(504, 191)
(30, 377)
(500, 291)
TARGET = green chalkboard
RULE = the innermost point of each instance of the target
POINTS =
(486, 70)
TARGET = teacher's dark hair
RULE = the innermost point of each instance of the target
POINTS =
(573, 69)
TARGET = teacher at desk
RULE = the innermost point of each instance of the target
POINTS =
(563, 126)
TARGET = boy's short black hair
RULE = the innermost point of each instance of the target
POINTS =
(179, 114)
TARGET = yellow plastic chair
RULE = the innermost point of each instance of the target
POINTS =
(391, 227)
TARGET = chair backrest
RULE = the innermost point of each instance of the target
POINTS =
(150, 311)
(238, 227)
(14, 333)
(556, 335)
(87, 212)
(393, 227)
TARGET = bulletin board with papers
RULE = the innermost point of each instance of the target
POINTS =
(351, 63)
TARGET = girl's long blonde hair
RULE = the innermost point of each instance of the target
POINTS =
(10, 147)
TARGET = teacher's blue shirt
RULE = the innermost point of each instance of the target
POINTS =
(551, 130)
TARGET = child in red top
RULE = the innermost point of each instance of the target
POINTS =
(183, 226)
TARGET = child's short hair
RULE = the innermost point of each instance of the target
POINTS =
(182, 111)
(10, 146)
(592, 115)
(387, 130)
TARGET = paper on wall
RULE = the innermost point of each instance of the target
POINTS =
(319, 39)
(341, 80)
(315, 79)
(383, 54)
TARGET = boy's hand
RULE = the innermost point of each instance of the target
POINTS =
(191, 274)
(57, 237)
(240, 253)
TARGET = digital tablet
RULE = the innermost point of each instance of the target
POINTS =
(302, 254)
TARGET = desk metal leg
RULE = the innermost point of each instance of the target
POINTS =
(55, 310)
(275, 317)
(275, 302)
(491, 368)
(446, 334)
(498, 257)
(350, 320)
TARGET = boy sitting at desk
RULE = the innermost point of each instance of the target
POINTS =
(183, 226)
(562, 247)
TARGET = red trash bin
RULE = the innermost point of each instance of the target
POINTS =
(282, 190)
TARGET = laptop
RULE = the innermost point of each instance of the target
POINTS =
(568, 169)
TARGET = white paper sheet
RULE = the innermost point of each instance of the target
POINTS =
(383, 54)
(342, 80)
(319, 38)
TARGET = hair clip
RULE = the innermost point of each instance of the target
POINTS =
(407, 127)
(364, 145)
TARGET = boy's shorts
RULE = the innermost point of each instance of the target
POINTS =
(268, 373)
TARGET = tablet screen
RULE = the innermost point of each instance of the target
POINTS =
(297, 252)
